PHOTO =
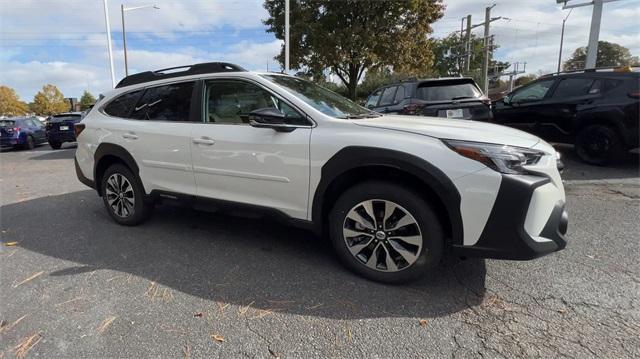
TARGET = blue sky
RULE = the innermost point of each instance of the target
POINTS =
(64, 41)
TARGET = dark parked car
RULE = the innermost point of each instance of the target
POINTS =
(21, 132)
(60, 128)
(595, 110)
(456, 98)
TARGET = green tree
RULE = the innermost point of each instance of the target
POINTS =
(350, 36)
(87, 100)
(609, 54)
(10, 104)
(49, 101)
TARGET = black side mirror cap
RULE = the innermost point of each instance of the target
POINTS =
(270, 117)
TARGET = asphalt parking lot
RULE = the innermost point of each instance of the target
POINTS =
(196, 284)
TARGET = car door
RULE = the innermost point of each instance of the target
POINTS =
(374, 98)
(233, 161)
(155, 128)
(386, 99)
(522, 108)
(568, 96)
(39, 133)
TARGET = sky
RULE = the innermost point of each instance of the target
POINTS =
(64, 42)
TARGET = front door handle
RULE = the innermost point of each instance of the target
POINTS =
(130, 136)
(204, 141)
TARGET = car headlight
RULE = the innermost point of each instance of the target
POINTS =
(502, 158)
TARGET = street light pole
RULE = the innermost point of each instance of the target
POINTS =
(124, 42)
(592, 48)
(286, 35)
(124, 34)
(106, 20)
(562, 39)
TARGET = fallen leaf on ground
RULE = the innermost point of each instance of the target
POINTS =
(3, 323)
(217, 337)
(423, 322)
(186, 350)
(32, 277)
(6, 328)
(105, 324)
(10, 244)
(273, 354)
(198, 315)
(562, 311)
(26, 344)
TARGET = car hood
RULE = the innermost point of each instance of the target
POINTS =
(464, 130)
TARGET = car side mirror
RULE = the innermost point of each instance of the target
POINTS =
(269, 117)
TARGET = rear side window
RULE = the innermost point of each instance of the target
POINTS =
(573, 87)
(123, 105)
(388, 95)
(399, 95)
(446, 91)
(165, 103)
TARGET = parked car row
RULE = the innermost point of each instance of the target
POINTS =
(28, 132)
(597, 111)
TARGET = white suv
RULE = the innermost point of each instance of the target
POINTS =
(393, 193)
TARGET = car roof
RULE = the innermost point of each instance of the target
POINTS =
(63, 114)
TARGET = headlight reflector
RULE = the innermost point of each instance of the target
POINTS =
(502, 158)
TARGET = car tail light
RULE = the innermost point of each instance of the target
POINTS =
(410, 109)
(634, 94)
(78, 128)
(16, 129)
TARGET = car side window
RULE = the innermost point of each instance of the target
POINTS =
(230, 102)
(533, 92)
(170, 102)
(372, 101)
(35, 123)
(399, 95)
(574, 87)
(388, 96)
(123, 104)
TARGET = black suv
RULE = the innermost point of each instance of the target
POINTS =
(595, 110)
(456, 98)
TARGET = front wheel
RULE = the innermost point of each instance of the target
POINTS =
(55, 145)
(124, 197)
(30, 143)
(386, 232)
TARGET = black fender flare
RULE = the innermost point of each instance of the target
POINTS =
(354, 157)
(110, 149)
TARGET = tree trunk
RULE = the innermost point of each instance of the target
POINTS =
(353, 81)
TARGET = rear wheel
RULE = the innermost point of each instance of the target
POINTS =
(30, 143)
(55, 145)
(386, 232)
(598, 145)
(123, 196)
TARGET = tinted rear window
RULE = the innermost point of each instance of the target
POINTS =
(573, 87)
(123, 105)
(445, 91)
(165, 103)
(7, 123)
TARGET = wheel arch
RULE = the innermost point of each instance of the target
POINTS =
(356, 164)
(610, 118)
(106, 155)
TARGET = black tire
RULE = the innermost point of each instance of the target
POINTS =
(55, 145)
(141, 208)
(598, 145)
(30, 143)
(430, 253)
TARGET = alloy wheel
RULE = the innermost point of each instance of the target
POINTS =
(382, 235)
(120, 195)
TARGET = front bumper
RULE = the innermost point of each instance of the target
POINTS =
(528, 220)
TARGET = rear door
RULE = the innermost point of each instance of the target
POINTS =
(387, 99)
(39, 132)
(155, 125)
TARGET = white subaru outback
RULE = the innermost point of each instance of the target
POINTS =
(393, 193)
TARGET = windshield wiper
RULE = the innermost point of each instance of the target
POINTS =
(461, 97)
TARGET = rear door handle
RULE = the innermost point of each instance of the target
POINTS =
(130, 136)
(204, 141)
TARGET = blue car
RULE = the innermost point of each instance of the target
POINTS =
(60, 128)
(21, 132)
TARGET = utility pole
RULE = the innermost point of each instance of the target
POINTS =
(124, 43)
(467, 62)
(106, 20)
(463, 47)
(485, 58)
(562, 39)
(516, 71)
(286, 35)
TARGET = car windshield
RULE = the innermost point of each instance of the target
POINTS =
(323, 100)
(447, 90)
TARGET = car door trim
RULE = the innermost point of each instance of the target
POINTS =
(239, 174)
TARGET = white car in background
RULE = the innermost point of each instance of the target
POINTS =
(393, 193)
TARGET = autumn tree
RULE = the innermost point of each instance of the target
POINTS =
(10, 104)
(86, 101)
(350, 37)
(609, 54)
(49, 101)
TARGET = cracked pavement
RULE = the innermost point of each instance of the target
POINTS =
(86, 287)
